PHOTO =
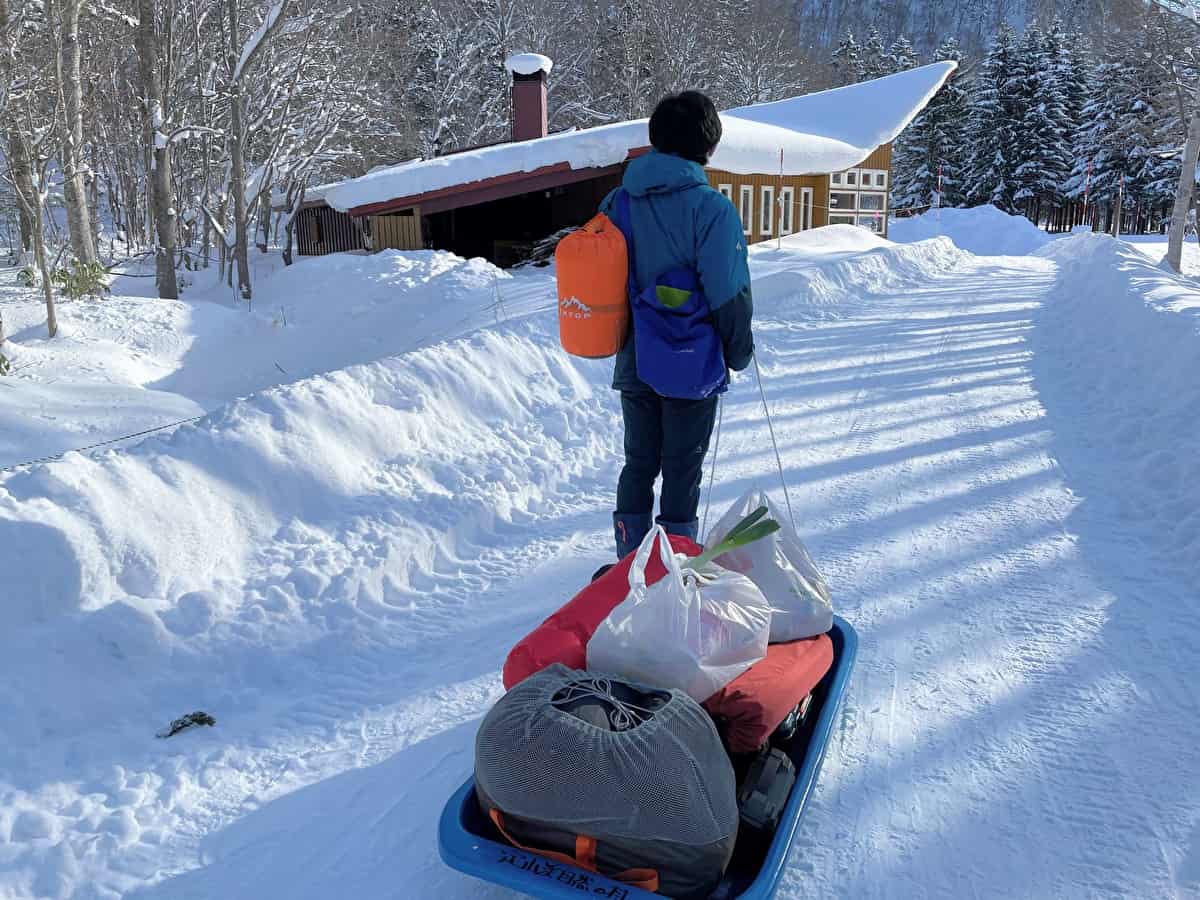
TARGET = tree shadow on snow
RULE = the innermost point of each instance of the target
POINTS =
(368, 832)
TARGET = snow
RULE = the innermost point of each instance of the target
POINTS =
(1154, 247)
(987, 231)
(274, 11)
(991, 458)
(128, 363)
(983, 230)
(528, 63)
(823, 132)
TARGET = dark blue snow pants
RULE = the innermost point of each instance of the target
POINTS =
(667, 436)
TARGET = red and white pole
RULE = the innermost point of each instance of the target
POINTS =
(1087, 187)
(939, 194)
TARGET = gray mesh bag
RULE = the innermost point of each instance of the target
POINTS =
(639, 769)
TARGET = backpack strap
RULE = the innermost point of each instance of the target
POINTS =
(624, 220)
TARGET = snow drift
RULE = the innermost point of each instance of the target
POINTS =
(852, 261)
(1120, 367)
(982, 230)
(162, 361)
(458, 425)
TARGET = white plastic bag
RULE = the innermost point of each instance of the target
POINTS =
(695, 631)
(782, 569)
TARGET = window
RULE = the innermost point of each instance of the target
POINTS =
(837, 177)
(786, 201)
(871, 202)
(842, 200)
(766, 212)
(871, 223)
(806, 208)
(841, 220)
(746, 207)
(851, 178)
(726, 191)
(874, 178)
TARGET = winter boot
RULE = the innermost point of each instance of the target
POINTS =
(630, 529)
(689, 530)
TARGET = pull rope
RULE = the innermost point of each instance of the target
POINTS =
(774, 444)
(622, 716)
(712, 472)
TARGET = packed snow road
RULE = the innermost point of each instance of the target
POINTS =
(1022, 721)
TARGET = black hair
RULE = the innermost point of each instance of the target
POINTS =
(686, 125)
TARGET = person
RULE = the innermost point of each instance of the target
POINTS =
(677, 221)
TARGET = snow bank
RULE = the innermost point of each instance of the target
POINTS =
(828, 239)
(450, 421)
(847, 262)
(1120, 363)
(823, 132)
(982, 230)
(160, 361)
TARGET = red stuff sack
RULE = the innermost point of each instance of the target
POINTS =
(752, 706)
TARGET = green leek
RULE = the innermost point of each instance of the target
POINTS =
(750, 529)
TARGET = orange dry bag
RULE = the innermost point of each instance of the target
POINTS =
(593, 297)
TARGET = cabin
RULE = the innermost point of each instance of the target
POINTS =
(787, 166)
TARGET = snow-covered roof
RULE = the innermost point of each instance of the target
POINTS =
(823, 132)
(528, 63)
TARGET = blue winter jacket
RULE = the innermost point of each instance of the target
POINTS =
(680, 220)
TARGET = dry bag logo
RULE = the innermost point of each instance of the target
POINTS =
(574, 308)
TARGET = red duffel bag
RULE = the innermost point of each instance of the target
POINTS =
(563, 638)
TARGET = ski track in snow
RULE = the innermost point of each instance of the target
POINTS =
(1022, 721)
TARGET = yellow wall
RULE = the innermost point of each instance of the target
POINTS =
(880, 158)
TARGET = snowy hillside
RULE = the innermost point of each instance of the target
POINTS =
(991, 457)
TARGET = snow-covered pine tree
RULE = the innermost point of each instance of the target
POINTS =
(847, 60)
(934, 142)
(1063, 89)
(1153, 133)
(1043, 163)
(1101, 144)
(873, 61)
(996, 112)
(934, 139)
(901, 56)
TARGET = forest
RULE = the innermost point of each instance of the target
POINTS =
(187, 130)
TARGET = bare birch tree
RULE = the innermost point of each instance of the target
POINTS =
(21, 87)
(158, 150)
(1184, 11)
(65, 14)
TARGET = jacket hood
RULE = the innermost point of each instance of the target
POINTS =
(662, 173)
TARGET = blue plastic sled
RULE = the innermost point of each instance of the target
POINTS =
(469, 843)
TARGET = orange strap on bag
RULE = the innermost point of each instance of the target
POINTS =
(584, 858)
(592, 265)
